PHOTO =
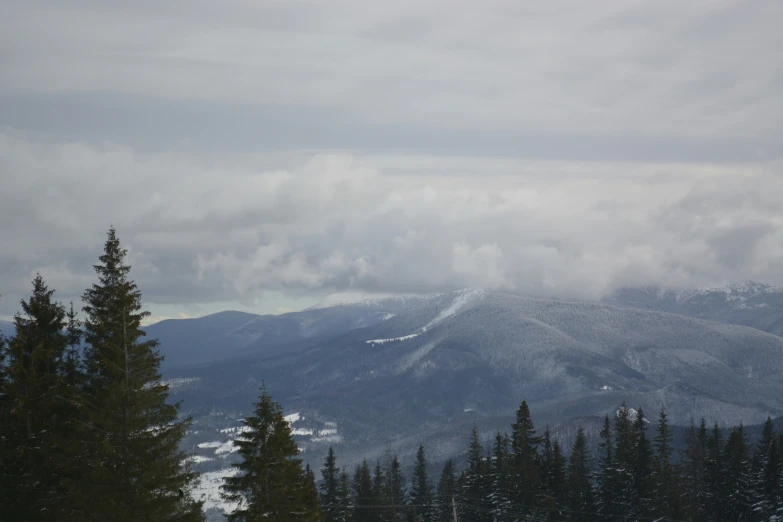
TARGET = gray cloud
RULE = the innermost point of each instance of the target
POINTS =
(601, 80)
(263, 154)
(227, 231)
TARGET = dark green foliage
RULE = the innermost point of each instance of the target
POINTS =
(421, 496)
(344, 499)
(524, 444)
(736, 485)
(694, 474)
(766, 473)
(643, 472)
(133, 459)
(606, 482)
(330, 504)
(364, 495)
(581, 499)
(40, 409)
(447, 492)
(714, 470)
(474, 483)
(271, 484)
(500, 468)
(393, 491)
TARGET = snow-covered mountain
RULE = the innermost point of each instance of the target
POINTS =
(748, 303)
(429, 372)
(225, 335)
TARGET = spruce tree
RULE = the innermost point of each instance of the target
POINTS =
(558, 482)
(714, 471)
(736, 485)
(8, 446)
(665, 495)
(524, 444)
(271, 484)
(421, 496)
(41, 408)
(606, 482)
(394, 490)
(363, 492)
(625, 460)
(135, 461)
(766, 473)
(344, 498)
(694, 462)
(474, 485)
(643, 471)
(447, 492)
(581, 499)
(499, 483)
(329, 501)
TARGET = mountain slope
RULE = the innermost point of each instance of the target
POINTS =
(750, 304)
(429, 372)
(231, 334)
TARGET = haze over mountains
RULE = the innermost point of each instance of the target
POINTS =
(393, 373)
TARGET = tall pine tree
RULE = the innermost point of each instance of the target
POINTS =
(41, 407)
(421, 497)
(271, 484)
(447, 492)
(330, 504)
(524, 444)
(135, 465)
(581, 499)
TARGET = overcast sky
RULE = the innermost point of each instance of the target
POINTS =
(260, 155)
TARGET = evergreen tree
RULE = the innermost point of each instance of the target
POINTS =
(271, 484)
(766, 473)
(474, 485)
(133, 449)
(394, 490)
(344, 499)
(72, 368)
(558, 481)
(40, 408)
(581, 500)
(363, 493)
(625, 465)
(736, 483)
(447, 492)
(524, 444)
(694, 461)
(499, 475)
(713, 475)
(644, 474)
(665, 495)
(421, 495)
(8, 457)
(606, 482)
(330, 504)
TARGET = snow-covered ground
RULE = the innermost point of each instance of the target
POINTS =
(208, 489)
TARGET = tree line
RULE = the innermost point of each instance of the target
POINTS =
(522, 476)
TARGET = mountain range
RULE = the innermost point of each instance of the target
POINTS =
(395, 372)
(379, 375)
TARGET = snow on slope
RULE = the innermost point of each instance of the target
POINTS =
(461, 298)
(208, 489)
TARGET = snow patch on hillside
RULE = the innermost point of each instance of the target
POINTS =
(208, 489)
(293, 417)
(393, 339)
(461, 299)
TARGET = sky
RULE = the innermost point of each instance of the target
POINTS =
(261, 156)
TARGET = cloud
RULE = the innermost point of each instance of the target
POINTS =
(565, 79)
(229, 230)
